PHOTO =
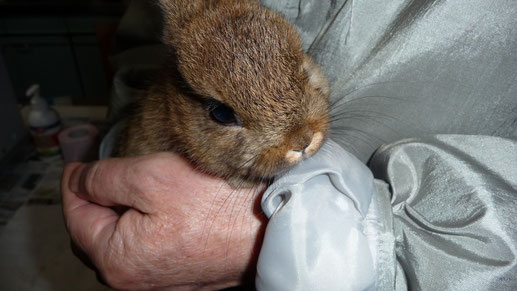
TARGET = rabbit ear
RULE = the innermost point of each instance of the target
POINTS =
(315, 75)
(176, 13)
(175, 8)
(169, 8)
(170, 18)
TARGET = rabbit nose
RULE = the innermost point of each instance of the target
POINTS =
(302, 139)
(304, 144)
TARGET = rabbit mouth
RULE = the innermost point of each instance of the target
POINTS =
(295, 156)
(258, 170)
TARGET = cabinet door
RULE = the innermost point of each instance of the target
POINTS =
(92, 73)
(47, 60)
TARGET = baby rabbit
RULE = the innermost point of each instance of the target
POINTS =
(237, 97)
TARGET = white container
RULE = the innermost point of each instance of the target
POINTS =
(44, 124)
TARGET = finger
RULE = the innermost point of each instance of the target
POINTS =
(68, 201)
(89, 224)
(111, 182)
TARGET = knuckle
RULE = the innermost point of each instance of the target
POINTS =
(140, 177)
(117, 280)
(158, 161)
(117, 274)
(150, 170)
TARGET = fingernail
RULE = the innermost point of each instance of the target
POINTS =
(75, 178)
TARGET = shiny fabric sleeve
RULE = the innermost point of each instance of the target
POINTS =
(454, 201)
(450, 224)
(324, 228)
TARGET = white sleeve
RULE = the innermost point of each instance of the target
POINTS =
(317, 237)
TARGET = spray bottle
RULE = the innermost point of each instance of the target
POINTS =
(44, 124)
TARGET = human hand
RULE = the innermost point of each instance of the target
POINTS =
(182, 229)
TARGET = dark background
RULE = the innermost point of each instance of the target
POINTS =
(61, 44)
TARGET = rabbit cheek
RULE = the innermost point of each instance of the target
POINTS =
(271, 161)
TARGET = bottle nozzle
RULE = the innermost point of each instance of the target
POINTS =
(33, 90)
(37, 102)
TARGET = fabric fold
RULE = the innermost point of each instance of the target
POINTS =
(454, 200)
(324, 226)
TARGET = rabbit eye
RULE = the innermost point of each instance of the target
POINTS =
(223, 114)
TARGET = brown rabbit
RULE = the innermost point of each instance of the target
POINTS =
(238, 96)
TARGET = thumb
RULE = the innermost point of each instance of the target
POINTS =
(111, 182)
